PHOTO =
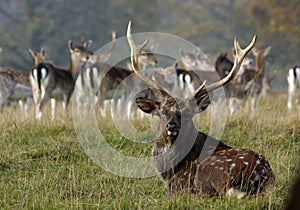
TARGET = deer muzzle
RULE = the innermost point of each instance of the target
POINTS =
(172, 129)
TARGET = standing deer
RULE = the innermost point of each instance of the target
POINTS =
(88, 80)
(146, 57)
(48, 81)
(249, 82)
(190, 160)
(293, 79)
(15, 85)
(194, 61)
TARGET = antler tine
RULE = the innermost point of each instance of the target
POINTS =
(134, 61)
(199, 89)
(239, 57)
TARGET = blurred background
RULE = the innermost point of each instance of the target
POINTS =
(209, 24)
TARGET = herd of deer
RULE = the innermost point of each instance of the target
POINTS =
(185, 158)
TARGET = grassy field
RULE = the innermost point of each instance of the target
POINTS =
(42, 164)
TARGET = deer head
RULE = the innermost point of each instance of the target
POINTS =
(39, 57)
(176, 112)
(79, 54)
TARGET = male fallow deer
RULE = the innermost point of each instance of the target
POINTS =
(190, 160)
(48, 81)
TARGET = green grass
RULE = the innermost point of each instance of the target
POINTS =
(42, 164)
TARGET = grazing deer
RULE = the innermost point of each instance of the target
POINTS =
(293, 79)
(48, 81)
(190, 160)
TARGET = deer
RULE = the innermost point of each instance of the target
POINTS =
(293, 79)
(248, 82)
(111, 77)
(51, 82)
(15, 85)
(146, 58)
(89, 78)
(194, 61)
(189, 160)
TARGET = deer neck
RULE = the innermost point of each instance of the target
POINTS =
(260, 66)
(173, 154)
(74, 67)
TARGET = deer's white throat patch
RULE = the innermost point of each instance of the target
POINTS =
(172, 133)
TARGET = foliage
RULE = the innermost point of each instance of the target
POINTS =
(209, 24)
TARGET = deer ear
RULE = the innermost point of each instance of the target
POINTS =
(202, 102)
(70, 45)
(32, 53)
(87, 44)
(147, 105)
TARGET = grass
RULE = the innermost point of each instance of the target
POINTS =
(43, 165)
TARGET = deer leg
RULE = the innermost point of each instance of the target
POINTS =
(21, 103)
(40, 107)
(291, 95)
(53, 107)
(253, 104)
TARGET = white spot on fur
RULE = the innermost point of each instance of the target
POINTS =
(34, 72)
(246, 163)
(235, 192)
(172, 133)
(258, 162)
(229, 160)
(232, 166)
(43, 73)
(241, 157)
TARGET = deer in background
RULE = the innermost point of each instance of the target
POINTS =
(293, 79)
(110, 77)
(190, 160)
(88, 80)
(48, 81)
(146, 57)
(194, 61)
(40, 56)
(248, 83)
(15, 85)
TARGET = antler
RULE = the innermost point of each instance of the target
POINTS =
(134, 62)
(239, 57)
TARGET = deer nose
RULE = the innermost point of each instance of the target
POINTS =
(171, 125)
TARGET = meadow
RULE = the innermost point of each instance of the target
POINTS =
(43, 165)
